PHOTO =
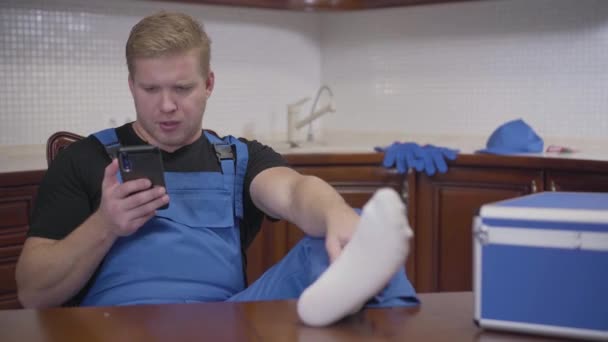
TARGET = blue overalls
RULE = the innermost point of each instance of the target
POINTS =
(191, 251)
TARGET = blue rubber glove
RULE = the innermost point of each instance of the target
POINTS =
(403, 156)
(435, 158)
(408, 155)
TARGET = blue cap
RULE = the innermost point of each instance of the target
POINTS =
(513, 137)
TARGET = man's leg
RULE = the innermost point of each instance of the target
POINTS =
(370, 269)
(367, 264)
(289, 277)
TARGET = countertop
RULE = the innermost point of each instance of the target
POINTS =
(16, 158)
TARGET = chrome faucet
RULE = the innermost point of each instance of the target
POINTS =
(293, 109)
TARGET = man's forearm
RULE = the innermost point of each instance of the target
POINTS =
(51, 272)
(316, 205)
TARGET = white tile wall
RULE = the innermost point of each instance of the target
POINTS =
(62, 66)
(465, 68)
(460, 68)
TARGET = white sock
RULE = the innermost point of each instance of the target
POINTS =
(376, 251)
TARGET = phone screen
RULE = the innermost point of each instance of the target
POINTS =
(143, 161)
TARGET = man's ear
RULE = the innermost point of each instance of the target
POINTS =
(209, 83)
(131, 84)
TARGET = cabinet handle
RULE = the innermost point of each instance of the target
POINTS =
(533, 186)
(552, 186)
(404, 192)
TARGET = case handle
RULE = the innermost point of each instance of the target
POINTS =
(552, 186)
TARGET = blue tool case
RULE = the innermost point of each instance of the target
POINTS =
(541, 265)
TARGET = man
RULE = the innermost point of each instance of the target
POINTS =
(95, 240)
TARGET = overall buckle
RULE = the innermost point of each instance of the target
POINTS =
(223, 151)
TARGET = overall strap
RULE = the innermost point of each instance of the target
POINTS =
(225, 150)
(109, 139)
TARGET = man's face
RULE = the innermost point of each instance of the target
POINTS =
(170, 95)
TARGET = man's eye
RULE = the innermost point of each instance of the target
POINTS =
(150, 89)
(183, 89)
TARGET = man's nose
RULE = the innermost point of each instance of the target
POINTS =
(167, 104)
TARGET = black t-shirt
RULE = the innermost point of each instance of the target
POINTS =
(71, 188)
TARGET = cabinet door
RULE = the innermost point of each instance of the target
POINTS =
(15, 206)
(318, 5)
(355, 183)
(444, 207)
(576, 181)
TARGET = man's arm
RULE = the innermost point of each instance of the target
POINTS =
(49, 272)
(307, 201)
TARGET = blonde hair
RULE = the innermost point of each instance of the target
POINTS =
(167, 33)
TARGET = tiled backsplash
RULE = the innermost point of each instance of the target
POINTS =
(465, 68)
(460, 68)
(62, 66)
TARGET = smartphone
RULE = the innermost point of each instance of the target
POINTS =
(142, 161)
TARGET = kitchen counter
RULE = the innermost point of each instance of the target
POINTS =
(347, 142)
(33, 157)
(17, 158)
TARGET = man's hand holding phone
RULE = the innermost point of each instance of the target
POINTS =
(142, 161)
(125, 207)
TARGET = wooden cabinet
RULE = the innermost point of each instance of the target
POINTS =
(319, 5)
(576, 181)
(444, 206)
(17, 194)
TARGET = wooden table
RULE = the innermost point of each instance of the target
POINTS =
(442, 317)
